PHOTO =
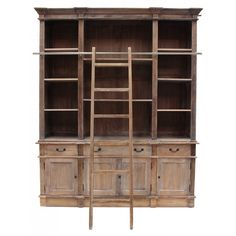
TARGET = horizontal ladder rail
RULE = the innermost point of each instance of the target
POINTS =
(118, 53)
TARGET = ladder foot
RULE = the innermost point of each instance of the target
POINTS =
(90, 225)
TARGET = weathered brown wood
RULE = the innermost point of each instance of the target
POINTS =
(111, 89)
(91, 162)
(174, 110)
(42, 176)
(111, 64)
(60, 49)
(41, 80)
(153, 171)
(146, 160)
(114, 150)
(173, 177)
(130, 78)
(61, 176)
(174, 150)
(63, 201)
(80, 79)
(60, 150)
(154, 78)
(194, 80)
(114, 116)
(141, 177)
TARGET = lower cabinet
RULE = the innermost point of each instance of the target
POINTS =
(173, 176)
(61, 176)
(66, 176)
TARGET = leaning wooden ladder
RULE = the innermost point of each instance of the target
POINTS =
(94, 116)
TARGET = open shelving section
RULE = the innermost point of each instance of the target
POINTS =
(164, 54)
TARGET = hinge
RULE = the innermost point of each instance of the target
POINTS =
(44, 165)
(150, 187)
(82, 165)
(151, 165)
(83, 187)
(44, 188)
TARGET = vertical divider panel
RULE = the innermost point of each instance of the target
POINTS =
(80, 78)
(154, 171)
(193, 83)
(154, 75)
(41, 81)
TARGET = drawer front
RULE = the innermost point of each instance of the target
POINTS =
(139, 150)
(174, 150)
(59, 150)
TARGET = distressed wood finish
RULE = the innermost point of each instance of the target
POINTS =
(173, 177)
(61, 177)
(117, 142)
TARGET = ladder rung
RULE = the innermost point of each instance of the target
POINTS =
(111, 64)
(111, 89)
(120, 116)
(110, 171)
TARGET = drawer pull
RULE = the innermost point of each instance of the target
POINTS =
(173, 150)
(60, 149)
(138, 150)
(98, 150)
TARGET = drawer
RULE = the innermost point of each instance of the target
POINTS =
(139, 150)
(174, 150)
(59, 150)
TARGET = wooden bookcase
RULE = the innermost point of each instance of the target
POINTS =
(164, 105)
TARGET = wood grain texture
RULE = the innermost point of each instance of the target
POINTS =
(80, 80)
(146, 160)
(173, 150)
(194, 81)
(154, 78)
(173, 177)
(41, 81)
(61, 176)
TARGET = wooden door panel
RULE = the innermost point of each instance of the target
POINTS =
(141, 178)
(173, 176)
(61, 176)
(104, 184)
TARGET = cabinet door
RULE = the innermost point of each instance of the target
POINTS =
(173, 176)
(61, 176)
(141, 179)
(105, 183)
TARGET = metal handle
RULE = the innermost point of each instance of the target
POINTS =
(98, 150)
(138, 150)
(75, 176)
(173, 150)
(60, 149)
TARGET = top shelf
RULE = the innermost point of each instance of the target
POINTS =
(117, 35)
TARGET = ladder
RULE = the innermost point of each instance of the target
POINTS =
(94, 116)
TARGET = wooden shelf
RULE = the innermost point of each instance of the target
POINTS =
(55, 109)
(61, 49)
(117, 100)
(175, 79)
(174, 50)
(60, 79)
(174, 110)
(120, 59)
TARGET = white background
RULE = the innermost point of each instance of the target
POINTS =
(215, 208)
